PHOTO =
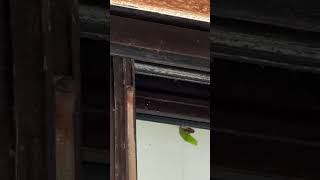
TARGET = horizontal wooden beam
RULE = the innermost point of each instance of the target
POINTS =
(198, 10)
(167, 45)
(172, 73)
(174, 107)
(160, 18)
(94, 22)
(291, 48)
(265, 45)
(295, 14)
(191, 51)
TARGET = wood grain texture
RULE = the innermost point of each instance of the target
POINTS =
(44, 41)
(168, 45)
(65, 100)
(34, 141)
(191, 9)
(131, 131)
(122, 143)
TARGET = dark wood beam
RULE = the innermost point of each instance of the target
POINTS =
(34, 156)
(190, 53)
(197, 10)
(156, 70)
(265, 45)
(122, 123)
(45, 48)
(168, 45)
(160, 18)
(293, 14)
(65, 109)
(173, 107)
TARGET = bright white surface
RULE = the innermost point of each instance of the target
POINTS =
(164, 155)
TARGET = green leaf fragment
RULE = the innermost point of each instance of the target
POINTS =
(187, 137)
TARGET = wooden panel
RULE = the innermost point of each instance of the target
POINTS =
(191, 9)
(123, 151)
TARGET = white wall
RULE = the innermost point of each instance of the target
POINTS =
(164, 155)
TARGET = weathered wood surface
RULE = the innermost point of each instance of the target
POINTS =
(122, 147)
(65, 107)
(184, 45)
(198, 10)
(172, 73)
(174, 42)
(34, 131)
(45, 45)
(165, 105)
(131, 132)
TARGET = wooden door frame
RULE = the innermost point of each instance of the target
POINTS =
(123, 165)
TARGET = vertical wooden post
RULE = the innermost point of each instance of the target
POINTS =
(123, 142)
(131, 133)
(34, 157)
(65, 98)
(45, 41)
